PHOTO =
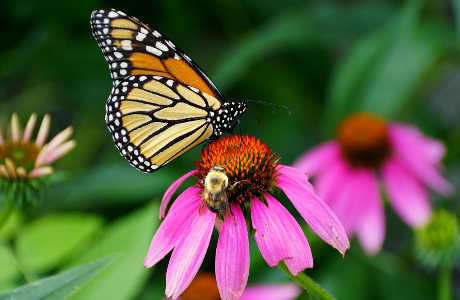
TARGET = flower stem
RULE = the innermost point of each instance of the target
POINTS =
(7, 209)
(308, 284)
(445, 282)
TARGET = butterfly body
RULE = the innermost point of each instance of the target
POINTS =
(162, 104)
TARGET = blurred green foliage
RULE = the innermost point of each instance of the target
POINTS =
(322, 59)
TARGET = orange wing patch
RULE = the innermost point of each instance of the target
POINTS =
(146, 61)
(184, 73)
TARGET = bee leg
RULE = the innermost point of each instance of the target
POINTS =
(234, 220)
(230, 188)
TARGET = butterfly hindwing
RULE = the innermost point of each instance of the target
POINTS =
(134, 48)
(155, 119)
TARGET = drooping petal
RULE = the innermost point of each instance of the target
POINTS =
(407, 135)
(317, 214)
(421, 155)
(286, 291)
(10, 167)
(293, 171)
(15, 128)
(406, 194)
(4, 172)
(41, 157)
(318, 158)
(40, 171)
(352, 204)
(295, 240)
(371, 228)
(270, 235)
(60, 138)
(332, 181)
(189, 253)
(29, 128)
(43, 131)
(167, 235)
(59, 151)
(169, 193)
(232, 256)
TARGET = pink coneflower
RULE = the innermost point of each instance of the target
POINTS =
(23, 159)
(367, 149)
(204, 287)
(188, 226)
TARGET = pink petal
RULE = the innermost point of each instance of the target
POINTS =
(270, 235)
(41, 171)
(41, 157)
(189, 253)
(10, 167)
(407, 196)
(421, 155)
(371, 228)
(318, 158)
(43, 131)
(287, 291)
(232, 256)
(315, 212)
(170, 191)
(181, 213)
(297, 241)
(352, 203)
(4, 172)
(60, 138)
(15, 128)
(433, 149)
(29, 128)
(332, 181)
(59, 151)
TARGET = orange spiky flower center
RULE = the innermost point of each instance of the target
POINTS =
(245, 159)
(203, 287)
(364, 140)
(23, 154)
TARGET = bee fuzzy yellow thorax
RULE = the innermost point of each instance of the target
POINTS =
(216, 180)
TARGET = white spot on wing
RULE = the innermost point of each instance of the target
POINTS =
(113, 14)
(161, 46)
(153, 50)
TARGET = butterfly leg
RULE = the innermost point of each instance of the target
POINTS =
(230, 130)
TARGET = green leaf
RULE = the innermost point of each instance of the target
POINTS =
(49, 242)
(9, 267)
(59, 286)
(130, 235)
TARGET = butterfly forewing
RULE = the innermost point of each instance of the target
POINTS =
(134, 48)
(162, 104)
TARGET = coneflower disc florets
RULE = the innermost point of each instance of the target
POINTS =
(245, 159)
(364, 140)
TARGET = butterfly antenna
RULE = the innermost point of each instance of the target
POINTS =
(258, 121)
(269, 104)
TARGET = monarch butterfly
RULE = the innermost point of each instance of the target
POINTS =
(162, 104)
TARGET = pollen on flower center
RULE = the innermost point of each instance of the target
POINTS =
(364, 139)
(23, 154)
(245, 159)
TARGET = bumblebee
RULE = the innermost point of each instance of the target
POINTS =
(215, 191)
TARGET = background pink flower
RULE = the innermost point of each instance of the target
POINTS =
(188, 229)
(368, 150)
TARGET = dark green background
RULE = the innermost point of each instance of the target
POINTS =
(322, 59)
